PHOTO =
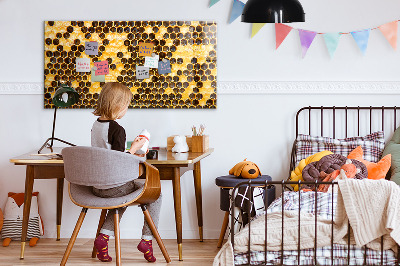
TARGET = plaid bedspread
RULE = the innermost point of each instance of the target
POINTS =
(321, 205)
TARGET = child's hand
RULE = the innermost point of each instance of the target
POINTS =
(142, 155)
(137, 144)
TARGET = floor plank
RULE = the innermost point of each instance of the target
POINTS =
(50, 252)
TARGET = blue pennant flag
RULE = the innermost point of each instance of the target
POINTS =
(237, 9)
(213, 2)
(361, 37)
(332, 41)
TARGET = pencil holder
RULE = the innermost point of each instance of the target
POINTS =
(200, 143)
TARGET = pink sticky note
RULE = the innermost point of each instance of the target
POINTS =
(102, 68)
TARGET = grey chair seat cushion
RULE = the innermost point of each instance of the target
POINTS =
(83, 196)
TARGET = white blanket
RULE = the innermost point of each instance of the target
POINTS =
(373, 209)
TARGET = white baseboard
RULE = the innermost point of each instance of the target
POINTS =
(259, 87)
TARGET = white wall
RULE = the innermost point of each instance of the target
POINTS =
(257, 127)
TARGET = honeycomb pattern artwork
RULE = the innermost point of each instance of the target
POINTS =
(189, 45)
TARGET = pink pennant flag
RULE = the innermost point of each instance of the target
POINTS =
(389, 30)
(306, 39)
(281, 31)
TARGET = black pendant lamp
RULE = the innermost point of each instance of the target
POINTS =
(273, 11)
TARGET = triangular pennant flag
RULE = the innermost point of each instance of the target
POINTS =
(332, 41)
(306, 39)
(213, 2)
(281, 31)
(361, 37)
(389, 30)
(255, 28)
(237, 9)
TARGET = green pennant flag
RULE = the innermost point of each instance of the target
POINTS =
(332, 41)
(256, 27)
(213, 2)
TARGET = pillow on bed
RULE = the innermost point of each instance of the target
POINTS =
(372, 145)
(375, 170)
(393, 148)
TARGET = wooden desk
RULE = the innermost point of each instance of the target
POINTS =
(40, 167)
(171, 167)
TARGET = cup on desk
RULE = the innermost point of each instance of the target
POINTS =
(152, 155)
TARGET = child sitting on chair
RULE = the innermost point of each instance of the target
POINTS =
(112, 104)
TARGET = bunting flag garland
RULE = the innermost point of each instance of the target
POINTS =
(389, 30)
(332, 41)
(281, 31)
(256, 27)
(361, 37)
(213, 2)
(237, 8)
(306, 39)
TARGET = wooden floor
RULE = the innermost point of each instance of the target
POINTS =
(50, 252)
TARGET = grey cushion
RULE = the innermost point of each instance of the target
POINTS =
(83, 196)
(393, 148)
(99, 167)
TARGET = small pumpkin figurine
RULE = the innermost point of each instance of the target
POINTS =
(245, 169)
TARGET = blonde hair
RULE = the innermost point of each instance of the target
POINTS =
(113, 98)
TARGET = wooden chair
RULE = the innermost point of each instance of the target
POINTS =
(85, 167)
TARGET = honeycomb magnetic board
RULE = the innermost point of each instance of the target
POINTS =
(190, 46)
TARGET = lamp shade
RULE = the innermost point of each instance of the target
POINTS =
(65, 96)
(273, 11)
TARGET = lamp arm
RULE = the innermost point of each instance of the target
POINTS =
(51, 140)
(54, 126)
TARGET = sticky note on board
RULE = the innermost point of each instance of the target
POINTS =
(151, 62)
(91, 48)
(164, 67)
(94, 78)
(82, 65)
(102, 67)
(145, 49)
(142, 72)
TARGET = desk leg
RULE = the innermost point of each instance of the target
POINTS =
(27, 206)
(199, 204)
(176, 182)
(60, 190)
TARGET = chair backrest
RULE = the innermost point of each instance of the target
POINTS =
(92, 166)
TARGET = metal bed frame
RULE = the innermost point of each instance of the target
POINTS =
(284, 184)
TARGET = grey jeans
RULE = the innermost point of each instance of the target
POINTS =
(154, 208)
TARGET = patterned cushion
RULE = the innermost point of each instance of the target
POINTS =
(372, 144)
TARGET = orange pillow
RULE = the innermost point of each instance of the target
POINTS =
(375, 170)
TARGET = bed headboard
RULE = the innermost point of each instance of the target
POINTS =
(344, 121)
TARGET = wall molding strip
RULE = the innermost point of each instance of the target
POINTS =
(259, 87)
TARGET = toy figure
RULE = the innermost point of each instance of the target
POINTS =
(245, 169)
(180, 144)
(13, 215)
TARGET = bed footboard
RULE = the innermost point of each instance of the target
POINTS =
(309, 256)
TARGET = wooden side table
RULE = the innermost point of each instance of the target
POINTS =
(226, 183)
